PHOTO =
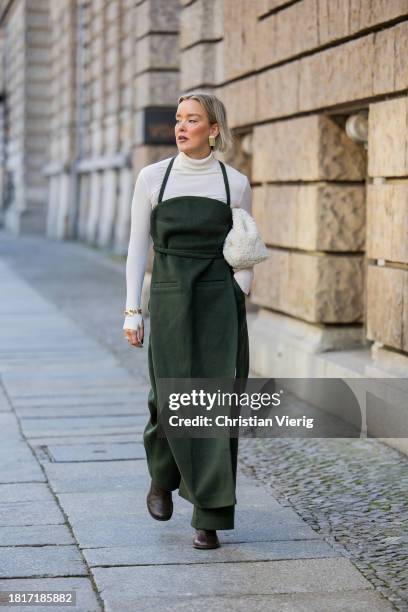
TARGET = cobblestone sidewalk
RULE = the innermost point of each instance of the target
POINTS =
(352, 492)
(73, 476)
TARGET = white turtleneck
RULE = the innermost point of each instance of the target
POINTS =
(188, 176)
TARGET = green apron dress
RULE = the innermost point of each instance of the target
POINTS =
(197, 329)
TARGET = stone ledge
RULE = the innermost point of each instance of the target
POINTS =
(281, 346)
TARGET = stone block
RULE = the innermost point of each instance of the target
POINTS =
(235, 580)
(384, 69)
(333, 24)
(112, 11)
(122, 224)
(84, 193)
(240, 38)
(202, 20)
(198, 66)
(316, 217)
(387, 306)
(157, 51)
(306, 148)
(95, 189)
(108, 208)
(337, 75)
(315, 288)
(366, 15)
(240, 100)
(387, 138)
(400, 54)
(277, 91)
(388, 361)
(150, 154)
(161, 15)
(21, 513)
(96, 133)
(44, 561)
(36, 535)
(111, 135)
(377, 63)
(387, 221)
(153, 554)
(61, 206)
(156, 89)
(277, 36)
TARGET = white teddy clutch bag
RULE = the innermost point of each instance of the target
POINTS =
(243, 246)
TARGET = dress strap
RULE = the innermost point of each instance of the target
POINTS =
(227, 189)
(166, 176)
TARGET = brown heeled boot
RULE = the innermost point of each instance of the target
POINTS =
(159, 503)
(206, 538)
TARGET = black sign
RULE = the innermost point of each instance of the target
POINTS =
(159, 124)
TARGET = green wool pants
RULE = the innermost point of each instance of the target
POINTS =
(166, 474)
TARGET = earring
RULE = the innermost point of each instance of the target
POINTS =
(211, 140)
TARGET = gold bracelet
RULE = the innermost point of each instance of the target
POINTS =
(132, 311)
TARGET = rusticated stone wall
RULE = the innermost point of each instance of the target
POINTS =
(332, 211)
(124, 59)
(81, 77)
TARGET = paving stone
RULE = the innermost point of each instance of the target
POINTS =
(29, 491)
(80, 423)
(112, 409)
(353, 601)
(85, 439)
(15, 452)
(54, 431)
(86, 600)
(4, 402)
(232, 579)
(103, 505)
(30, 513)
(8, 424)
(155, 554)
(134, 530)
(35, 535)
(124, 475)
(70, 394)
(41, 561)
(96, 452)
(25, 471)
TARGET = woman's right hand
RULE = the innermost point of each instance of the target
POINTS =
(135, 333)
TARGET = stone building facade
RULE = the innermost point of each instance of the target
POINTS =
(317, 99)
(24, 100)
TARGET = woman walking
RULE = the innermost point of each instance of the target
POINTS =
(196, 305)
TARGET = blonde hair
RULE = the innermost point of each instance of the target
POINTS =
(216, 113)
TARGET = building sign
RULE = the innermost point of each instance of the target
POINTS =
(159, 125)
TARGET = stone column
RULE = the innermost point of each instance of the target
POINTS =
(126, 115)
(97, 51)
(111, 98)
(62, 129)
(155, 87)
(25, 33)
(201, 44)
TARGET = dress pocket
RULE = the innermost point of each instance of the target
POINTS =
(219, 282)
(164, 284)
